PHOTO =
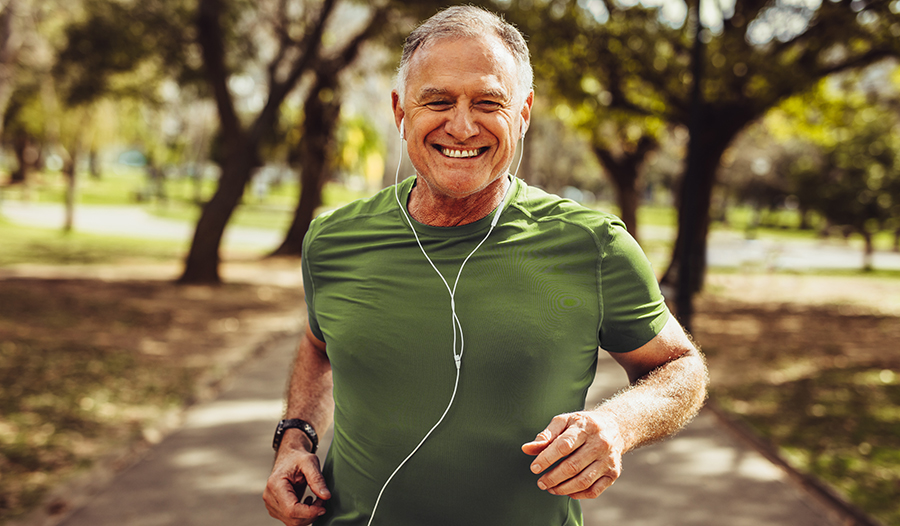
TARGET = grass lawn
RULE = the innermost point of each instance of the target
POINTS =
(22, 244)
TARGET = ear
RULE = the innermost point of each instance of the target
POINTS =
(526, 113)
(398, 113)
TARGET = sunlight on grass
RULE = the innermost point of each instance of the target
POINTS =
(840, 425)
(22, 244)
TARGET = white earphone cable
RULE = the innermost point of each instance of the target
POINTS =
(454, 318)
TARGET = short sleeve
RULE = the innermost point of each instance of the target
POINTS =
(309, 288)
(633, 309)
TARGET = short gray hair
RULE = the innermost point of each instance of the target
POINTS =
(468, 21)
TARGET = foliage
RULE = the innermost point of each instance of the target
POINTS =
(850, 170)
(125, 49)
(747, 58)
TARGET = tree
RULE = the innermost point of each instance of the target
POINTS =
(10, 44)
(317, 140)
(854, 180)
(715, 78)
(567, 44)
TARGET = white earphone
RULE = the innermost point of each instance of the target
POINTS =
(402, 130)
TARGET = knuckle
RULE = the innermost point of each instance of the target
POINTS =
(594, 491)
(569, 468)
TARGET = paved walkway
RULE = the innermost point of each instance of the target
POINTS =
(212, 471)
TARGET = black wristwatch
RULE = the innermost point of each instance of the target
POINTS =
(295, 423)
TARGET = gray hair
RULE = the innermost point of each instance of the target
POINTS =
(468, 21)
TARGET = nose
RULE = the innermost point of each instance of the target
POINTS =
(460, 124)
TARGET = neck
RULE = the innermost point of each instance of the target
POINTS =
(435, 209)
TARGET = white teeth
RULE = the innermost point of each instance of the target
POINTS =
(461, 154)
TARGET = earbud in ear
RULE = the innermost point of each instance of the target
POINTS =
(522, 127)
(402, 131)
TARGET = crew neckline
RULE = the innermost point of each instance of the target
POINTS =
(462, 230)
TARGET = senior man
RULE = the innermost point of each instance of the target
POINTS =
(459, 313)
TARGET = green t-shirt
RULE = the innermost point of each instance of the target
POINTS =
(553, 282)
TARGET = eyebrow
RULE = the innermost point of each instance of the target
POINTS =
(441, 92)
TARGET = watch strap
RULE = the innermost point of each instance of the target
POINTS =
(295, 423)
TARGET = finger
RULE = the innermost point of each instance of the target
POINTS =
(300, 514)
(570, 478)
(561, 447)
(311, 476)
(281, 493)
(306, 513)
(316, 481)
(597, 488)
(557, 425)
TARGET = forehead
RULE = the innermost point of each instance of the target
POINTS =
(450, 64)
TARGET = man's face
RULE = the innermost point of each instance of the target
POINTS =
(461, 113)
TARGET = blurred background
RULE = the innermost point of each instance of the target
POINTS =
(161, 161)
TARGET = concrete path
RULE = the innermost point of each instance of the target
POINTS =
(212, 471)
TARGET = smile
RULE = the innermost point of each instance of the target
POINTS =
(461, 154)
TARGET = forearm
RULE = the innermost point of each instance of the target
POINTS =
(309, 395)
(660, 402)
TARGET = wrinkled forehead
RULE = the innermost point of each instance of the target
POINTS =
(446, 56)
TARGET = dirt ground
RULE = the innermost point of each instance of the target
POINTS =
(98, 363)
(747, 323)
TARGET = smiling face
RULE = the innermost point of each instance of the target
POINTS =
(462, 115)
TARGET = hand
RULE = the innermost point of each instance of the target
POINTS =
(589, 449)
(294, 469)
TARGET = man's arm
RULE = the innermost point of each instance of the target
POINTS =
(309, 398)
(668, 386)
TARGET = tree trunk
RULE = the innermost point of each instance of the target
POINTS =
(9, 50)
(20, 147)
(241, 145)
(623, 171)
(627, 199)
(869, 250)
(315, 152)
(69, 174)
(94, 163)
(695, 197)
(202, 263)
(689, 253)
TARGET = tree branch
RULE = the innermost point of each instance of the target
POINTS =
(211, 38)
(278, 91)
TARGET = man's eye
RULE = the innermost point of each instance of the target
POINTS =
(439, 105)
(489, 105)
